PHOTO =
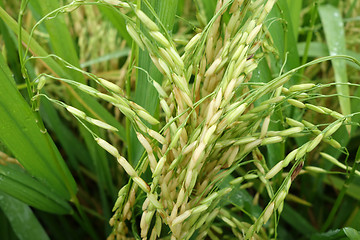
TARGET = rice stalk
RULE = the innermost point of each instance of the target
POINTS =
(209, 127)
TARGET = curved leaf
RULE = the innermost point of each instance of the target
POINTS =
(335, 39)
(22, 186)
(22, 136)
(351, 233)
(22, 219)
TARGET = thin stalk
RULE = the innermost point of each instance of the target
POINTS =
(309, 35)
(83, 220)
(74, 198)
(342, 193)
(351, 8)
(24, 72)
(20, 49)
(133, 61)
(285, 28)
(37, 114)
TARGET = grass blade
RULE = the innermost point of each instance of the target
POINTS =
(117, 21)
(209, 8)
(351, 233)
(295, 12)
(63, 47)
(283, 36)
(335, 39)
(65, 136)
(6, 231)
(338, 234)
(12, 57)
(107, 57)
(87, 102)
(60, 38)
(318, 49)
(145, 94)
(342, 193)
(275, 151)
(17, 183)
(297, 221)
(21, 135)
(239, 198)
(22, 219)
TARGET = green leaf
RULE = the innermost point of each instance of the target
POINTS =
(318, 49)
(107, 57)
(351, 233)
(22, 219)
(285, 41)
(12, 57)
(295, 13)
(346, 214)
(330, 235)
(87, 102)
(117, 21)
(276, 151)
(6, 231)
(209, 7)
(338, 234)
(65, 136)
(297, 221)
(335, 39)
(239, 198)
(19, 184)
(337, 183)
(63, 46)
(145, 94)
(283, 36)
(60, 38)
(22, 136)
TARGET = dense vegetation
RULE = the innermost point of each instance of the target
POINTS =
(179, 119)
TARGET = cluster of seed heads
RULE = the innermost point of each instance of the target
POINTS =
(209, 126)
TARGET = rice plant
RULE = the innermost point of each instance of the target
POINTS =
(202, 121)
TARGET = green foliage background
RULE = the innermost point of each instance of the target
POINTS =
(62, 185)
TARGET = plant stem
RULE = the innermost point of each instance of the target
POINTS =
(83, 220)
(342, 193)
(309, 35)
(20, 49)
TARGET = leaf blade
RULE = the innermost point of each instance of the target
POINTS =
(22, 219)
(335, 39)
(145, 94)
(22, 136)
(19, 184)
